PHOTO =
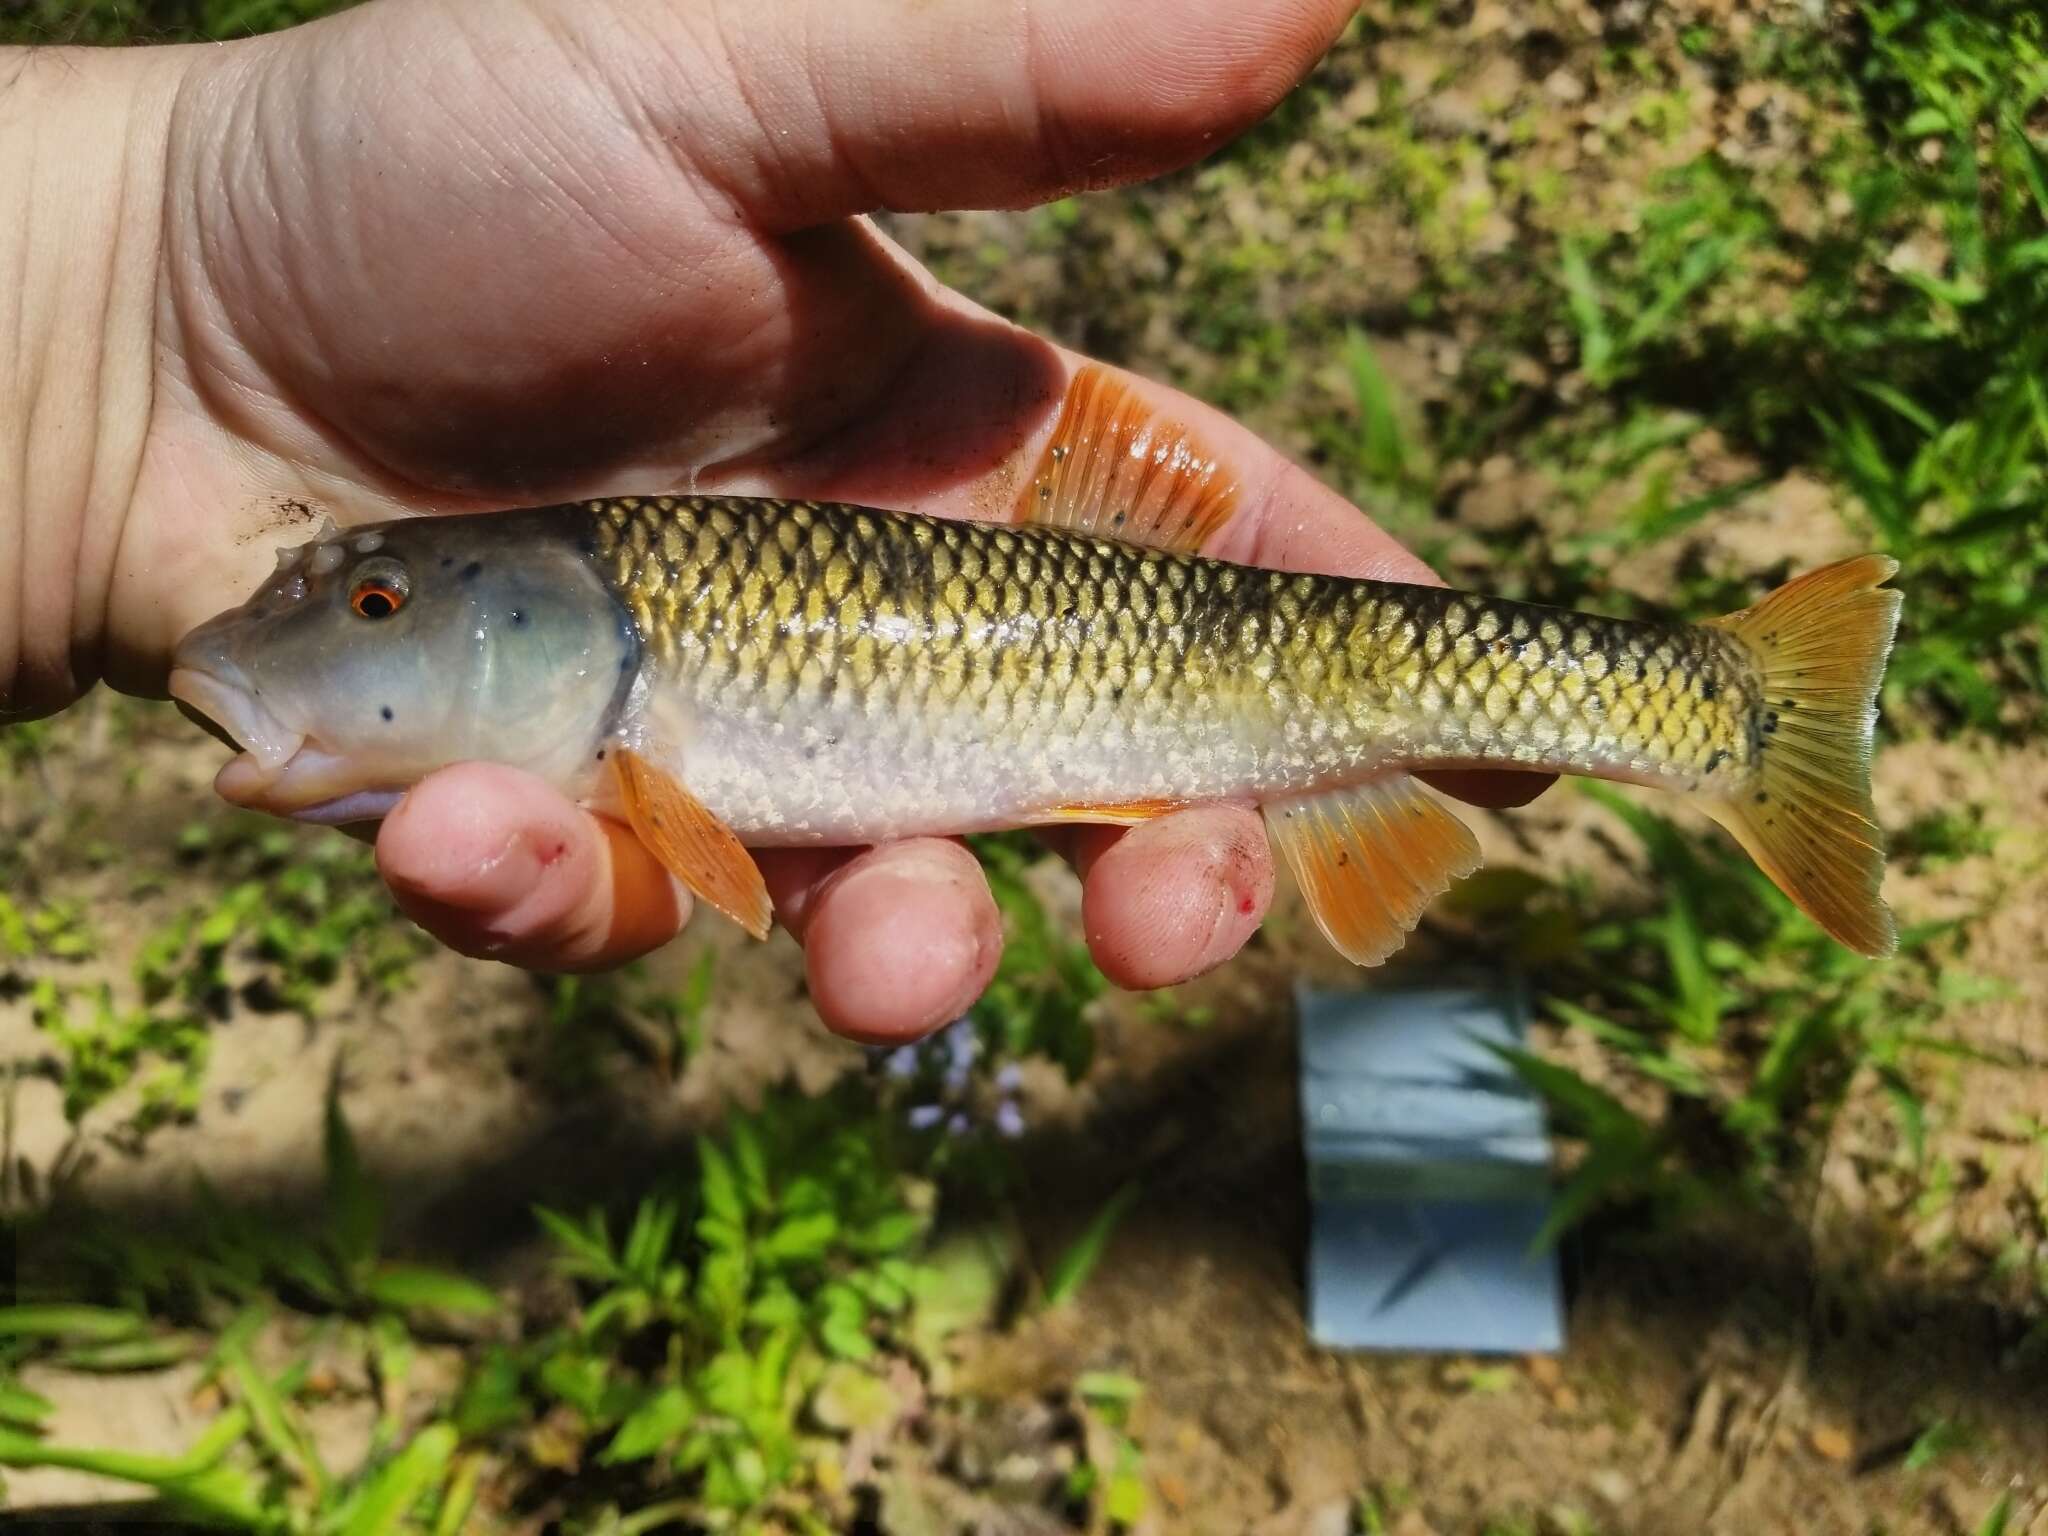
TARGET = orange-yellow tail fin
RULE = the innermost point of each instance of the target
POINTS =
(1820, 643)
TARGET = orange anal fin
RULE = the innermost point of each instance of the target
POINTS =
(691, 843)
(1370, 858)
(1115, 469)
(1122, 813)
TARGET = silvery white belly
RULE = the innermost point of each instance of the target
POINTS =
(846, 775)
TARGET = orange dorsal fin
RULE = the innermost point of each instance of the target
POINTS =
(692, 844)
(1819, 643)
(1115, 469)
(1369, 858)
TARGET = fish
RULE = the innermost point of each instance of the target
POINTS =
(726, 673)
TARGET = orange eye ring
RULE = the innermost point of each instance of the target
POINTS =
(376, 599)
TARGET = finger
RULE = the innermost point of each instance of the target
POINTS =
(1167, 900)
(898, 940)
(497, 864)
(836, 109)
(795, 876)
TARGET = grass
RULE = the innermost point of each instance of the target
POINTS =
(298, 917)
(1894, 344)
(211, 1299)
(1731, 1029)
(660, 1025)
(722, 1333)
(1037, 1002)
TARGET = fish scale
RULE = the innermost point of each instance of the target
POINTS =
(996, 671)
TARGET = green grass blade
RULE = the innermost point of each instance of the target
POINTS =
(588, 1251)
(1383, 449)
(353, 1200)
(459, 1497)
(407, 1287)
(269, 1419)
(1589, 315)
(390, 1496)
(196, 1480)
(1079, 1261)
(20, 1406)
(76, 1324)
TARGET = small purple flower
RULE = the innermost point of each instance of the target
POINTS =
(924, 1116)
(1009, 1120)
(901, 1063)
(962, 1046)
(1009, 1077)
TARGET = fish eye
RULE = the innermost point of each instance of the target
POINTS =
(379, 589)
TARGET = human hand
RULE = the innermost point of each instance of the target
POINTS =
(437, 255)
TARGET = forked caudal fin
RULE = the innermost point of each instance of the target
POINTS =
(1820, 643)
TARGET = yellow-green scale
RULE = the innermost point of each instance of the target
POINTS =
(821, 673)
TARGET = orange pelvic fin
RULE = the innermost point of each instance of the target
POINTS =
(1369, 858)
(1116, 470)
(1125, 813)
(692, 844)
(1820, 643)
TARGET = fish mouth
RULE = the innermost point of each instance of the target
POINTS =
(231, 705)
(278, 770)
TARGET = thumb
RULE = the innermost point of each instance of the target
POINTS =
(838, 108)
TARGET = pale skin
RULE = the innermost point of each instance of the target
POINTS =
(442, 255)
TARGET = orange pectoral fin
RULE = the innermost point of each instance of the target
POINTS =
(1123, 813)
(692, 844)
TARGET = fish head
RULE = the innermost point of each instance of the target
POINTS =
(374, 656)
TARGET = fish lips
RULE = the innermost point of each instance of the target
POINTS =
(230, 708)
(276, 769)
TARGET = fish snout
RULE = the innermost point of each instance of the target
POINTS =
(210, 685)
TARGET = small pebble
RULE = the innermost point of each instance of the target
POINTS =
(1832, 1443)
(1613, 1486)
